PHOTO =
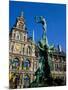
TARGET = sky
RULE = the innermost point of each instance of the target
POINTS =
(55, 16)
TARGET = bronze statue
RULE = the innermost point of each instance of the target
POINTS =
(41, 20)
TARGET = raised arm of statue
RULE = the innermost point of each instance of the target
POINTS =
(41, 20)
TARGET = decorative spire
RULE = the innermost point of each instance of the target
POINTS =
(22, 14)
(33, 36)
(59, 48)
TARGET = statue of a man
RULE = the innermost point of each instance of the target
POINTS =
(41, 20)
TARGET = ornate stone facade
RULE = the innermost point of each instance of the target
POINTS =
(22, 58)
(57, 61)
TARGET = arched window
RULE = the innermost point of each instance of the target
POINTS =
(15, 63)
(23, 50)
(26, 64)
(17, 35)
(29, 50)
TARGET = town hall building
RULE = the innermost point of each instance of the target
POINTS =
(22, 59)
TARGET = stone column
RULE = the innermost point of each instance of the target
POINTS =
(21, 63)
(31, 78)
(32, 64)
(22, 81)
(35, 66)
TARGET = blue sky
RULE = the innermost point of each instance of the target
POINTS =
(55, 15)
